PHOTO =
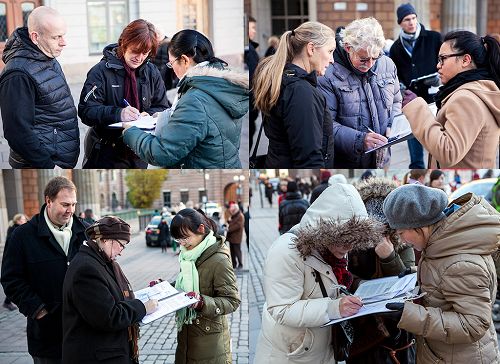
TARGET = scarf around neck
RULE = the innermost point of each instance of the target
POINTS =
(459, 80)
(128, 294)
(130, 87)
(409, 39)
(61, 234)
(339, 267)
(188, 279)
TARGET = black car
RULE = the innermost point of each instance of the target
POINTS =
(152, 232)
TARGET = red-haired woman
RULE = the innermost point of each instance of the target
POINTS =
(121, 87)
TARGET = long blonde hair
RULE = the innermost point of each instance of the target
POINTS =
(267, 77)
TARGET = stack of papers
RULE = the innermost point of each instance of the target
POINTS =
(400, 131)
(169, 300)
(144, 123)
(376, 293)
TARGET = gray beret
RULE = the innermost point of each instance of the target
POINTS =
(413, 206)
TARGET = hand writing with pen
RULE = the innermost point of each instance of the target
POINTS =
(373, 139)
(130, 113)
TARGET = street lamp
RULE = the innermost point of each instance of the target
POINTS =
(206, 177)
(239, 190)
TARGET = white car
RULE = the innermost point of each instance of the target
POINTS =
(210, 208)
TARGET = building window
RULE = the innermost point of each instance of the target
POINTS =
(288, 15)
(184, 196)
(3, 22)
(167, 198)
(202, 193)
(106, 20)
(27, 8)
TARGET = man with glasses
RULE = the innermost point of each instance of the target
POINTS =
(362, 92)
(35, 264)
(414, 53)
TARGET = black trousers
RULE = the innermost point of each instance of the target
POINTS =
(236, 255)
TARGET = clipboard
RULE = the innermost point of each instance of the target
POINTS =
(401, 128)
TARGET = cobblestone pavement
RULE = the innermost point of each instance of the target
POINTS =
(158, 339)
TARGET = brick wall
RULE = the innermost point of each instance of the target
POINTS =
(30, 192)
(493, 16)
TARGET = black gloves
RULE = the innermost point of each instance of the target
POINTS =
(396, 306)
(404, 272)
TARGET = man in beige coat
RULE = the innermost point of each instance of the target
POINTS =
(453, 322)
(295, 307)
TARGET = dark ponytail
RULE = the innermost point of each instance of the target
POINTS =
(194, 45)
(485, 51)
(188, 221)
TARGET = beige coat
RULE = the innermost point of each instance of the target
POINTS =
(456, 270)
(295, 307)
(465, 133)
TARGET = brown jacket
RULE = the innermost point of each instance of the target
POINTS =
(456, 270)
(465, 133)
(235, 228)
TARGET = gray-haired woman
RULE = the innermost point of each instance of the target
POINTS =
(362, 92)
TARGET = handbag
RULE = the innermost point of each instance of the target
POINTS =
(256, 162)
(342, 332)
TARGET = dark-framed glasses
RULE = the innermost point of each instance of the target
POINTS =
(442, 57)
(368, 59)
(121, 244)
(170, 64)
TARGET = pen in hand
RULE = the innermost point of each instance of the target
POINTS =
(126, 102)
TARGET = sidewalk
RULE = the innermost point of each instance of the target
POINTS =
(157, 342)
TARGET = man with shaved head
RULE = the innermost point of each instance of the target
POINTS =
(38, 112)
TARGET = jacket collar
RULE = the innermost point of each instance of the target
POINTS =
(294, 70)
(213, 249)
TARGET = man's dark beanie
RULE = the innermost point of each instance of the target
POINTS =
(291, 186)
(404, 10)
(109, 227)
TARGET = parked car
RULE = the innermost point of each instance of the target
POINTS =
(210, 208)
(480, 187)
(152, 232)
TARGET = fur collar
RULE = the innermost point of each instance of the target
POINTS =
(229, 74)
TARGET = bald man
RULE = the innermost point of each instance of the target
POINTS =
(38, 112)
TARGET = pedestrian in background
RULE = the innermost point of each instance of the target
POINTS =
(236, 224)
(35, 265)
(89, 216)
(160, 60)
(100, 311)
(206, 274)
(362, 93)
(466, 129)
(269, 192)
(140, 91)
(413, 53)
(295, 115)
(164, 236)
(324, 178)
(302, 272)
(251, 58)
(17, 220)
(452, 321)
(272, 45)
(202, 129)
(38, 112)
(292, 208)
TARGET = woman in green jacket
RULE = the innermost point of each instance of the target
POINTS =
(203, 127)
(206, 274)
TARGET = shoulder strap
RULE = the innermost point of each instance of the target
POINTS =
(321, 284)
(254, 154)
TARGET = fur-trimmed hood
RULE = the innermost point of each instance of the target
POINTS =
(373, 192)
(337, 217)
(229, 87)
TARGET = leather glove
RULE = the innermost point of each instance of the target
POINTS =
(155, 282)
(408, 96)
(151, 306)
(198, 306)
(396, 306)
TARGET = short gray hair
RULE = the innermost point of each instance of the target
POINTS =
(364, 34)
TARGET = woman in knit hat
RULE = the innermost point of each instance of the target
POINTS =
(452, 322)
(100, 313)
(302, 274)
(376, 335)
(206, 274)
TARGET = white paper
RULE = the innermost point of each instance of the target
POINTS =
(169, 300)
(144, 123)
(376, 293)
(400, 126)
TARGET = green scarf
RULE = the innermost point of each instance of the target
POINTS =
(188, 280)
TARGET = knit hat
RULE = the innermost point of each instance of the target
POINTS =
(291, 186)
(325, 175)
(413, 206)
(109, 227)
(404, 10)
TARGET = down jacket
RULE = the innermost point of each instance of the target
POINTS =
(465, 132)
(204, 129)
(456, 270)
(295, 308)
(357, 103)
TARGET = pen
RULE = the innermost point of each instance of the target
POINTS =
(371, 131)
(344, 291)
(126, 102)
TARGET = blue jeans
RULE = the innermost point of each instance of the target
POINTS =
(416, 154)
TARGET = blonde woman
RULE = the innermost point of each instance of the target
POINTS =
(362, 92)
(295, 115)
